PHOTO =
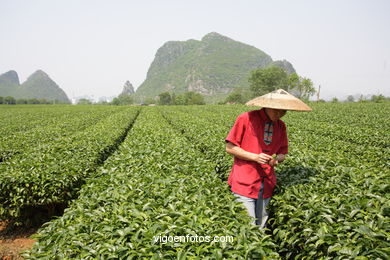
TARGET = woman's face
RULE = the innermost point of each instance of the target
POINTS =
(275, 114)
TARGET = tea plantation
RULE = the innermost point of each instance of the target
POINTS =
(127, 175)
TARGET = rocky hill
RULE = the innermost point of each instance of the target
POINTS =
(128, 89)
(214, 67)
(39, 85)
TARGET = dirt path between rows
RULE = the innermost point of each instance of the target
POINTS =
(13, 243)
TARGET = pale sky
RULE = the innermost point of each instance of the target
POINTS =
(91, 47)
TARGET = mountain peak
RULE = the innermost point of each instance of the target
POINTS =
(40, 73)
(214, 36)
(213, 67)
(37, 85)
(11, 77)
(128, 89)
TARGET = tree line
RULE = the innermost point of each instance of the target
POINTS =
(35, 101)
(261, 81)
(265, 80)
(165, 98)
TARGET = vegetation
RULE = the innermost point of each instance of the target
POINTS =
(32, 101)
(235, 97)
(123, 99)
(333, 199)
(84, 101)
(163, 172)
(379, 98)
(265, 80)
(158, 183)
(350, 98)
(52, 169)
(300, 86)
(187, 98)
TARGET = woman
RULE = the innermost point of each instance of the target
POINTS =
(258, 141)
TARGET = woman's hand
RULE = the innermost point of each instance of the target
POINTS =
(278, 159)
(262, 158)
(273, 162)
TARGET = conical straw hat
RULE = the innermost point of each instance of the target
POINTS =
(279, 99)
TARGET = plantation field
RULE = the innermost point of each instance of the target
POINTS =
(127, 175)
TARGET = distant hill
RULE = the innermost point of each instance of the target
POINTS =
(214, 67)
(9, 83)
(128, 88)
(38, 85)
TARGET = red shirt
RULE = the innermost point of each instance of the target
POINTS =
(248, 133)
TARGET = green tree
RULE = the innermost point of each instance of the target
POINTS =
(267, 79)
(126, 99)
(115, 102)
(1, 100)
(350, 98)
(300, 87)
(335, 100)
(32, 101)
(180, 100)
(293, 81)
(43, 101)
(193, 98)
(9, 100)
(307, 89)
(165, 99)
(235, 97)
(378, 99)
(84, 101)
(149, 101)
(21, 101)
(189, 98)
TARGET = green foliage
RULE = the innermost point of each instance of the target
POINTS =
(165, 98)
(189, 98)
(332, 200)
(168, 177)
(300, 86)
(115, 102)
(22, 101)
(350, 98)
(268, 79)
(379, 98)
(293, 81)
(9, 100)
(123, 99)
(186, 98)
(149, 101)
(52, 172)
(361, 99)
(335, 100)
(84, 101)
(158, 183)
(235, 97)
(306, 88)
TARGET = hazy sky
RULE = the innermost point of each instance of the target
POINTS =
(93, 46)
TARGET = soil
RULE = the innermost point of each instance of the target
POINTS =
(13, 241)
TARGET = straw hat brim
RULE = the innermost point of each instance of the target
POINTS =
(279, 99)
